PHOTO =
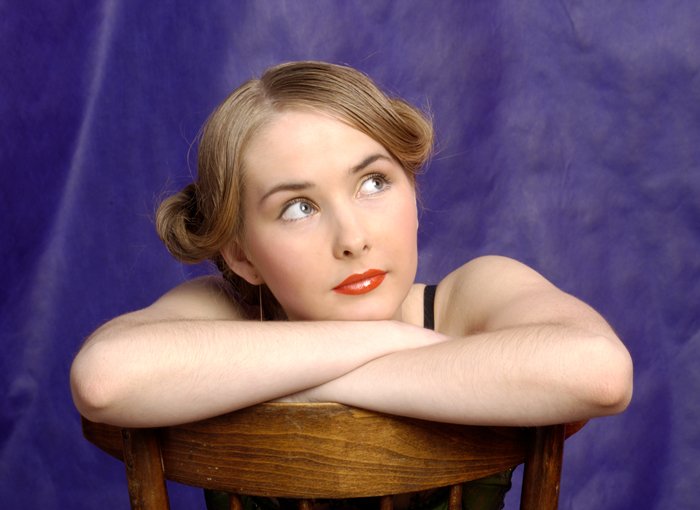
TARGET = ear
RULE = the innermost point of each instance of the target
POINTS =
(238, 262)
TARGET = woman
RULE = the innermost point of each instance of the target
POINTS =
(305, 199)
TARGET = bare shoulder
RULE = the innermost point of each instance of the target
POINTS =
(204, 298)
(493, 273)
(494, 292)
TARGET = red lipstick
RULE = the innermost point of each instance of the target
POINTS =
(357, 284)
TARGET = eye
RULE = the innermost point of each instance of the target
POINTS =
(297, 210)
(375, 183)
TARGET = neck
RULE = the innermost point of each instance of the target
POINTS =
(411, 310)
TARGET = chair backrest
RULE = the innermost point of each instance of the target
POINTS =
(326, 450)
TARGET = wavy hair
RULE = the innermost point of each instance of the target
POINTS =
(196, 223)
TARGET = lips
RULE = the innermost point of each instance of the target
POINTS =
(357, 284)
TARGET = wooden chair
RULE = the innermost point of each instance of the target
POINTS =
(320, 450)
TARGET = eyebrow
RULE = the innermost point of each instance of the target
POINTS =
(287, 186)
(368, 161)
(302, 185)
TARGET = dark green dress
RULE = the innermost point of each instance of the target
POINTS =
(484, 494)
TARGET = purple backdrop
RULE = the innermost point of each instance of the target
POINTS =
(568, 137)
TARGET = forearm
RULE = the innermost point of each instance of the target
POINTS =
(520, 376)
(153, 373)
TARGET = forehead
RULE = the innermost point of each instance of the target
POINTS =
(304, 139)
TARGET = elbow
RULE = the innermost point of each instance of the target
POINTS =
(93, 395)
(609, 377)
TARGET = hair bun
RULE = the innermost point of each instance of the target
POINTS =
(179, 225)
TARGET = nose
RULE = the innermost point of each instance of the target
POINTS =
(350, 237)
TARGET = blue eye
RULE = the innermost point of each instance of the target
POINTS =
(374, 184)
(298, 210)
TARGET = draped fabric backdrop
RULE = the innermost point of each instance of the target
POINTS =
(568, 138)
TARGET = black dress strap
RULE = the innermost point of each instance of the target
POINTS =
(429, 306)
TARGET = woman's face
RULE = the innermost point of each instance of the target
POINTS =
(330, 220)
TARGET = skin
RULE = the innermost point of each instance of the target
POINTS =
(509, 347)
(316, 214)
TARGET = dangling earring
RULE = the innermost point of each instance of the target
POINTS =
(260, 301)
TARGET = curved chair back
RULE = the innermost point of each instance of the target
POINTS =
(326, 450)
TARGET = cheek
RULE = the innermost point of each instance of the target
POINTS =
(280, 259)
(290, 271)
(406, 232)
(406, 220)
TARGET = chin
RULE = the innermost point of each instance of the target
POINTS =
(368, 317)
(377, 307)
(368, 313)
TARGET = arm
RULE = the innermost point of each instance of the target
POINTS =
(190, 356)
(520, 352)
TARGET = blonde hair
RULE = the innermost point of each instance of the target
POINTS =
(196, 223)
